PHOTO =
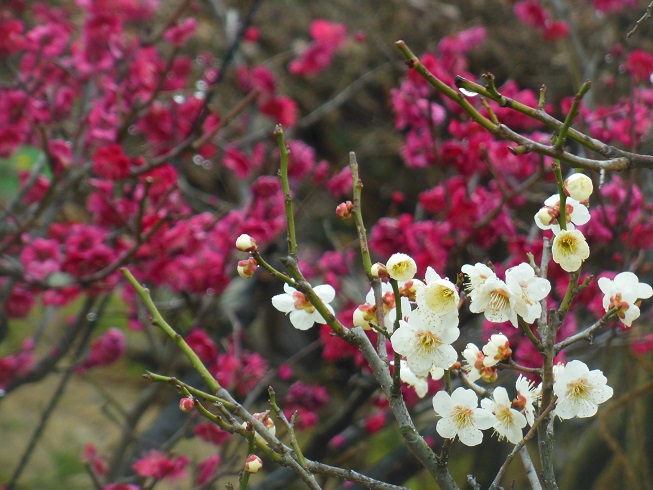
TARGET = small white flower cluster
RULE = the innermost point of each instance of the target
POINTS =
(426, 332)
(482, 364)
(461, 416)
(579, 392)
(569, 247)
(501, 301)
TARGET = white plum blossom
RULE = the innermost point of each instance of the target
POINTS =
(579, 390)
(419, 383)
(461, 416)
(623, 293)
(496, 350)
(579, 187)
(401, 267)
(301, 312)
(570, 249)
(508, 422)
(438, 296)
(425, 342)
(473, 358)
(477, 274)
(575, 214)
(527, 396)
(494, 299)
(527, 291)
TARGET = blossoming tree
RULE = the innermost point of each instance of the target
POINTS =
(143, 220)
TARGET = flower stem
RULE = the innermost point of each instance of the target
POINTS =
(287, 195)
(160, 322)
(358, 214)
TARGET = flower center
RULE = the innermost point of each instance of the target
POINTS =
(428, 340)
(504, 415)
(302, 302)
(578, 389)
(617, 302)
(463, 416)
(567, 244)
(523, 284)
(439, 298)
(401, 268)
(499, 300)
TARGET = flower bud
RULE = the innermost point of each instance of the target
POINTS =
(364, 315)
(344, 209)
(409, 289)
(246, 243)
(247, 268)
(496, 350)
(186, 404)
(379, 270)
(253, 464)
(579, 186)
(546, 216)
(401, 267)
(489, 374)
(264, 417)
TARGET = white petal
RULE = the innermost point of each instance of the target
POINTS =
(283, 302)
(444, 357)
(464, 397)
(449, 335)
(483, 419)
(442, 403)
(431, 275)
(325, 292)
(470, 436)
(514, 434)
(301, 320)
(446, 428)
(605, 285)
(500, 396)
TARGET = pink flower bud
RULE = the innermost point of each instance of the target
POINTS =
(253, 464)
(379, 270)
(344, 209)
(247, 268)
(186, 404)
(246, 243)
(267, 421)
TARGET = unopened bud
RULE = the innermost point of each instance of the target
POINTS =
(186, 404)
(344, 209)
(579, 186)
(496, 350)
(246, 243)
(247, 268)
(546, 216)
(264, 417)
(379, 270)
(253, 464)
(364, 315)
